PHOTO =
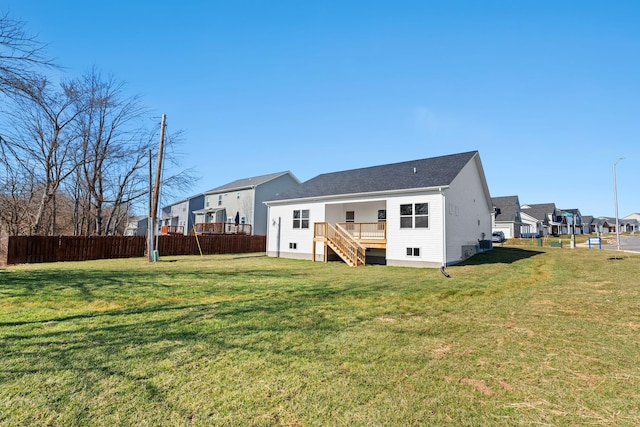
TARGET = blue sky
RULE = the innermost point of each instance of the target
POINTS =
(548, 92)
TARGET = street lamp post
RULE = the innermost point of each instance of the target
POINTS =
(615, 199)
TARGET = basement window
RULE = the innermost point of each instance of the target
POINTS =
(413, 252)
(293, 246)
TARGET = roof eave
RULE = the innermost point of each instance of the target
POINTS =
(438, 188)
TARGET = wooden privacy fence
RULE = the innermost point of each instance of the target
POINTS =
(32, 249)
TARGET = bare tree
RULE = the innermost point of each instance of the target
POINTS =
(44, 141)
(16, 199)
(21, 55)
(112, 144)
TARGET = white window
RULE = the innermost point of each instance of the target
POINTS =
(413, 252)
(220, 200)
(414, 215)
(301, 218)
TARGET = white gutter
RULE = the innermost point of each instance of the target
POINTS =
(354, 195)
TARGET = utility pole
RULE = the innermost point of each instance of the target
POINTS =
(615, 198)
(156, 189)
(149, 220)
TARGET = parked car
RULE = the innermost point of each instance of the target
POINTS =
(498, 237)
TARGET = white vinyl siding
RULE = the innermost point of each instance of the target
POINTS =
(428, 240)
(473, 222)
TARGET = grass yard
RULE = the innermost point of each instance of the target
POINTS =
(517, 336)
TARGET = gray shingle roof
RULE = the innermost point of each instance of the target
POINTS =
(540, 211)
(509, 208)
(243, 183)
(423, 173)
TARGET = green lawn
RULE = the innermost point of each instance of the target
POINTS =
(517, 336)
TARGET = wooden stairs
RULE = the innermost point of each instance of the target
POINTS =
(343, 244)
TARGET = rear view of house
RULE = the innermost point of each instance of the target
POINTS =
(422, 213)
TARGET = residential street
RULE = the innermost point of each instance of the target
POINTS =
(627, 243)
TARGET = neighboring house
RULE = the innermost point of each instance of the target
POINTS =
(136, 226)
(572, 221)
(632, 222)
(506, 216)
(541, 219)
(238, 207)
(587, 224)
(421, 213)
(604, 225)
(179, 218)
(629, 225)
(635, 216)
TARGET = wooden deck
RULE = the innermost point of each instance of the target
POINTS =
(167, 230)
(368, 234)
(222, 228)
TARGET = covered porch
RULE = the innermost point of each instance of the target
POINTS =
(353, 230)
(216, 221)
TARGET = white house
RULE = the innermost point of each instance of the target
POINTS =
(631, 223)
(238, 207)
(540, 220)
(506, 216)
(421, 213)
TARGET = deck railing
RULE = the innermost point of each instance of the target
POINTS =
(341, 242)
(365, 230)
(171, 229)
(346, 243)
(222, 228)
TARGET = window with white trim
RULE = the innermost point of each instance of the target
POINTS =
(301, 218)
(414, 215)
(414, 252)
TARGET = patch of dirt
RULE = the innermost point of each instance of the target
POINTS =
(506, 386)
(479, 385)
(439, 353)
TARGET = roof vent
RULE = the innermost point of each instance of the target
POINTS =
(415, 171)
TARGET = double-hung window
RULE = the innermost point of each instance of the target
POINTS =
(414, 215)
(301, 218)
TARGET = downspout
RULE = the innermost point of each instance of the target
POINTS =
(253, 210)
(444, 233)
(278, 238)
